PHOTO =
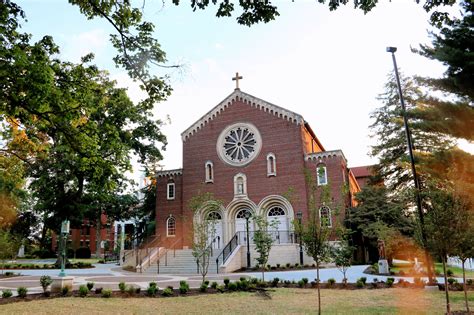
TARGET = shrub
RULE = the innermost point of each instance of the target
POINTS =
(232, 286)
(305, 280)
(183, 287)
(242, 278)
(226, 282)
(98, 290)
(452, 281)
(301, 283)
(106, 293)
(83, 291)
(45, 282)
(138, 290)
(90, 285)
(167, 292)
(152, 289)
(390, 281)
(122, 287)
(6, 293)
(359, 283)
(65, 291)
(278, 266)
(296, 265)
(214, 285)
(288, 265)
(22, 291)
(203, 287)
(275, 282)
(221, 289)
(253, 280)
(469, 281)
(244, 285)
(331, 281)
(131, 290)
(363, 279)
(206, 282)
(449, 273)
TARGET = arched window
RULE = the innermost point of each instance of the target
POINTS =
(214, 215)
(322, 175)
(325, 216)
(276, 211)
(241, 213)
(240, 185)
(171, 226)
(209, 172)
(271, 165)
(170, 190)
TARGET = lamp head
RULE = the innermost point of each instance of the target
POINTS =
(299, 214)
(391, 49)
(247, 214)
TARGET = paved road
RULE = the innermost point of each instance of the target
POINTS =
(109, 275)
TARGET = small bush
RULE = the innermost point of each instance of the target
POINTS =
(90, 285)
(469, 281)
(131, 290)
(206, 282)
(98, 290)
(296, 265)
(22, 291)
(452, 281)
(244, 285)
(152, 289)
(221, 289)
(83, 291)
(253, 280)
(226, 282)
(288, 265)
(138, 290)
(390, 281)
(65, 291)
(275, 282)
(214, 285)
(301, 283)
(183, 287)
(122, 287)
(278, 266)
(232, 286)
(6, 293)
(305, 280)
(167, 292)
(331, 281)
(363, 279)
(45, 282)
(203, 287)
(106, 293)
(449, 273)
(359, 283)
(242, 278)
(9, 273)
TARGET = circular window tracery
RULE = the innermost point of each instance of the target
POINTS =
(276, 211)
(214, 216)
(239, 144)
(241, 213)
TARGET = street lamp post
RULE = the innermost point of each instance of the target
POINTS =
(299, 215)
(64, 234)
(247, 217)
(392, 50)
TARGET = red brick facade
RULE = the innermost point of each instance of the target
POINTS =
(296, 149)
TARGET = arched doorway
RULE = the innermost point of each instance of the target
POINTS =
(241, 224)
(216, 235)
(278, 215)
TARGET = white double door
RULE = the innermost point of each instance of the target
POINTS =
(280, 231)
(215, 234)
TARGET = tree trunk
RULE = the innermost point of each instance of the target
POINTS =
(464, 285)
(97, 236)
(317, 285)
(263, 274)
(446, 290)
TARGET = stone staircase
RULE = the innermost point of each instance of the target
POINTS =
(182, 262)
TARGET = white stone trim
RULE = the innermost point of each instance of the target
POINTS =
(169, 173)
(168, 197)
(240, 191)
(167, 226)
(209, 178)
(271, 165)
(319, 156)
(248, 99)
(318, 167)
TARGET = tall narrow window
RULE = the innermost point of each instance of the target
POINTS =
(240, 184)
(171, 226)
(322, 175)
(170, 191)
(209, 172)
(325, 216)
(271, 165)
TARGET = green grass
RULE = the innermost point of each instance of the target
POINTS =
(282, 301)
(85, 260)
(438, 267)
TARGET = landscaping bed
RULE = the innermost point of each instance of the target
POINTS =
(19, 266)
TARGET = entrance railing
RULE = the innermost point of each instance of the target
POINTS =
(279, 237)
(228, 249)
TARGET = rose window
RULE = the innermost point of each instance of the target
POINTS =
(239, 144)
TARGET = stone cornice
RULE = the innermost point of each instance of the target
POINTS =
(252, 101)
(319, 156)
(169, 173)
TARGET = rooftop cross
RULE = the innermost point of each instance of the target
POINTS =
(236, 79)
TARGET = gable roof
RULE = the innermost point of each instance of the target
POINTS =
(248, 99)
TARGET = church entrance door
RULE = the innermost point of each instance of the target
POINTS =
(215, 233)
(280, 232)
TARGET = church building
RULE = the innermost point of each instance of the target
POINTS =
(256, 157)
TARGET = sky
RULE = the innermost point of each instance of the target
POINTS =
(327, 66)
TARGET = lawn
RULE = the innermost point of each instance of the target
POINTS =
(283, 301)
(439, 269)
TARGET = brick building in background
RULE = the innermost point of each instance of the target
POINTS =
(250, 153)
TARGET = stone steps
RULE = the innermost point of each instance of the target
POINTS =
(182, 262)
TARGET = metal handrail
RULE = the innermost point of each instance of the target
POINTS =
(279, 237)
(228, 249)
(165, 253)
